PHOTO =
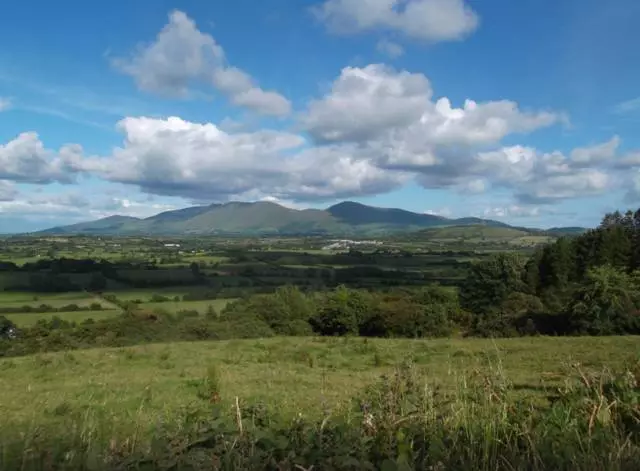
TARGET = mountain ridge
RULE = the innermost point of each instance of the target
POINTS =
(269, 218)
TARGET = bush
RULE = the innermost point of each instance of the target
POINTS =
(343, 312)
(157, 298)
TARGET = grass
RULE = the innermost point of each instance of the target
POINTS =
(116, 400)
(145, 295)
(21, 298)
(294, 374)
(28, 319)
(173, 307)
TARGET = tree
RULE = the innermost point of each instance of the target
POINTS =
(98, 282)
(343, 312)
(490, 282)
(608, 302)
(195, 269)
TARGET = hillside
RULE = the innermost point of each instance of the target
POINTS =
(266, 218)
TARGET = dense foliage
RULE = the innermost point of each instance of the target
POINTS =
(588, 284)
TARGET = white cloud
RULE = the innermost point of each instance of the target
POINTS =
(545, 178)
(200, 161)
(444, 212)
(600, 153)
(365, 102)
(511, 211)
(5, 103)
(7, 191)
(182, 56)
(474, 186)
(74, 206)
(633, 187)
(430, 20)
(378, 102)
(26, 160)
(554, 188)
(389, 48)
(627, 106)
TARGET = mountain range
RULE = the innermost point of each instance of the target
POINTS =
(267, 218)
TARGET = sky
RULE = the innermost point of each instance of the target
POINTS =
(526, 112)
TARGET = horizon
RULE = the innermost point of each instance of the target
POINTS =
(438, 107)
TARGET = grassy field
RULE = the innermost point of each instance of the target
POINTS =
(137, 386)
(28, 319)
(145, 295)
(55, 300)
(173, 307)
(145, 404)
(18, 297)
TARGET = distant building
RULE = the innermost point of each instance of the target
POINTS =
(346, 243)
(172, 245)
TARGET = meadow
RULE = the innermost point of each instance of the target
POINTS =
(29, 319)
(125, 397)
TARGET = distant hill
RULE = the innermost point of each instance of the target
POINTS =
(266, 218)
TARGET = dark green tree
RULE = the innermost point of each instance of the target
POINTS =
(490, 282)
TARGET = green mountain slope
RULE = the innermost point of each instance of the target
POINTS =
(347, 218)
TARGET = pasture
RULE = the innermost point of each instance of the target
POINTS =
(28, 319)
(133, 388)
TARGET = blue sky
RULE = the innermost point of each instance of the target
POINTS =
(526, 112)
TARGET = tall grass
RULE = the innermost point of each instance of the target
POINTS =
(403, 421)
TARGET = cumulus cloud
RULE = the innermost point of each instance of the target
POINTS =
(389, 48)
(364, 102)
(5, 103)
(378, 102)
(558, 187)
(182, 56)
(25, 159)
(429, 20)
(200, 161)
(601, 153)
(544, 178)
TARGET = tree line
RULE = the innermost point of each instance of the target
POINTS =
(587, 284)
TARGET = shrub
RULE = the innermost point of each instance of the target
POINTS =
(342, 312)
(157, 298)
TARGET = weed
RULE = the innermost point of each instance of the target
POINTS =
(377, 360)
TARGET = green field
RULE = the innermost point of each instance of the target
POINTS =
(173, 307)
(135, 387)
(28, 319)
(145, 295)
(21, 298)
